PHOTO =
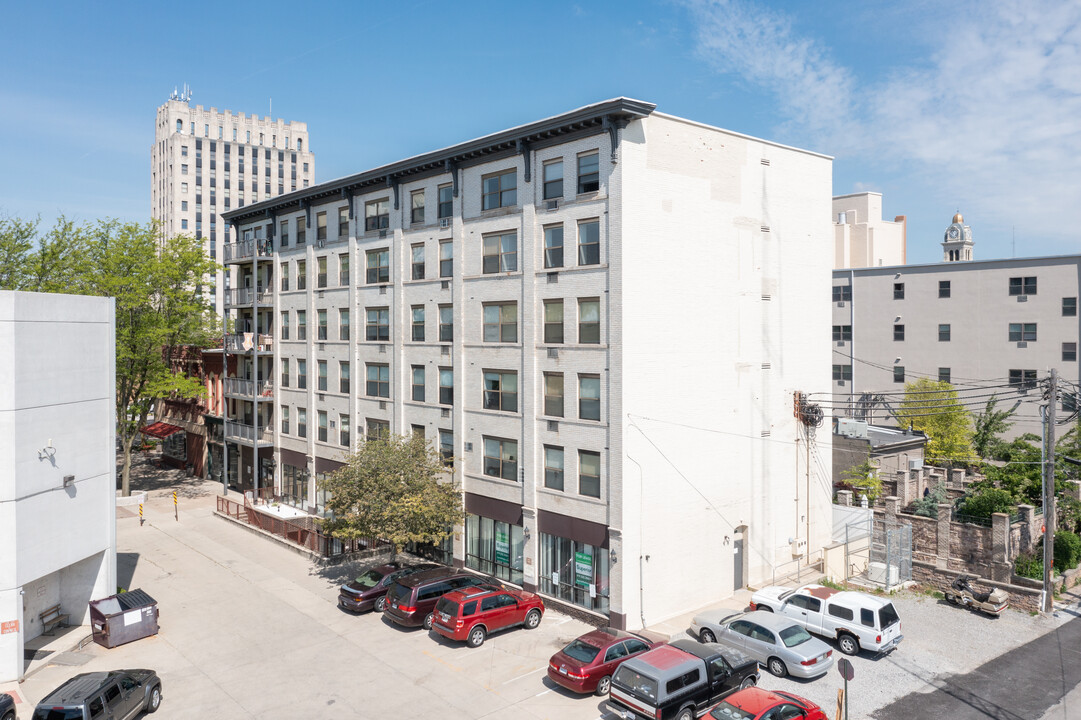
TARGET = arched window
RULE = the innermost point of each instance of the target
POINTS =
(300, 145)
(180, 126)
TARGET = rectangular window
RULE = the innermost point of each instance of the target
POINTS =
(378, 380)
(446, 323)
(500, 253)
(302, 422)
(553, 394)
(321, 226)
(1022, 286)
(343, 377)
(285, 371)
(446, 259)
(501, 458)
(377, 214)
(1069, 352)
(553, 468)
(1024, 378)
(499, 190)
(285, 325)
(553, 246)
(285, 419)
(589, 173)
(898, 332)
(1069, 307)
(898, 373)
(446, 201)
(501, 322)
(378, 266)
(321, 329)
(898, 291)
(446, 386)
(377, 428)
(842, 333)
(343, 425)
(553, 321)
(302, 324)
(418, 323)
(322, 375)
(284, 233)
(589, 321)
(418, 383)
(378, 325)
(1069, 402)
(184, 169)
(416, 210)
(302, 274)
(343, 324)
(501, 390)
(321, 272)
(302, 374)
(589, 473)
(944, 288)
(343, 223)
(343, 269)
(553, 179)
(446, 447)
(943, 333)
(322, 414)
(417, 252)
(842, 293)
(589, 397)
(589, 242)
(302, 233)
(1022, 332)
(842, 372)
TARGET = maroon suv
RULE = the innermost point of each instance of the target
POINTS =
(411, 599)
(368, 592)
(472, 613)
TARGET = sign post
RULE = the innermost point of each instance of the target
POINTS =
(176, 511)
(140, 514)
(844, 666)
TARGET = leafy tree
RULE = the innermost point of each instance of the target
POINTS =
(986, 501)
(1069, 445)
(53, 262)
(864, 478)
(989, 426)
(1067, 550)
(1021, 473)
(395, 488)
(933, 407)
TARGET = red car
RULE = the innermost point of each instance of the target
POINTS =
(471, 613)
(587, 664)
(754, 703)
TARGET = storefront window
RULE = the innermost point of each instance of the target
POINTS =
(176, 446)
(442, 553)
(575, 572)
(494, 547)
(321, 495)
(294, 486)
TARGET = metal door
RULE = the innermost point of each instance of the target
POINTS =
(737, 562)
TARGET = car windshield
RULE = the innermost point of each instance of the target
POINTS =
(637, 684)
(58, 714)
(369, 579)
(887, 616)
(583, 652)
(793, 636)
(448, 607)
(727, 711)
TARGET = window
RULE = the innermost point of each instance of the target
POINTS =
(321, 329)
(553, 468)
(839, 611)
(343, 425)
(378, 266)
(418, 383)
(446, 201)
(377, 428)
(589, 321)
(417, 430)
(1024, 378)
(898, 373)
(553, 179)
(589, 397)
(1022, 286)
(302, 422)
(302, 324)
(184, 169)
(343, 377)
(179, 126)
(446, 323)
(898, 332)
(943, 333)
(285, 325)
(285, 419)
(446, 386)
(418, 323)
(302, 374)
(322, 366)
(501, 458)
(416, 202)
(944, 288)
(418, 261)
(588, 173)
(446, 446)
(501, 322)
(446, 259)
(184, 189)
(343, 269)
(842, 333)
(321, 226)
(1069, 352)
(378, 380)
(302, 233)
(184, 224)
(589, 243)
(1022, 332)
(302, 274)
(321, 276)
(553, 321)
(343, 223)
(285, 371)
(589, 473)
(284, 233)
(500, 253)
(553, 246)
(1069, 402)
(499, 190)
(898, 291)
(322, 414)
(842, 372)
(377, 215)
(553, 394)
(944, 375)
(1069, 307)
(501, 390)
(184, 205)
(343, 324)
(378, 326)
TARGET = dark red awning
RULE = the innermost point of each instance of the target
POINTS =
(160, 430)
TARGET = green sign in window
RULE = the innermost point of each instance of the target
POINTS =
(502, 548)
(583, 569)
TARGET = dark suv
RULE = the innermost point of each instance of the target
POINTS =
(411, 600)
(115, 695)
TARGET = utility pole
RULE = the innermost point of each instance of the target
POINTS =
(1049, 492)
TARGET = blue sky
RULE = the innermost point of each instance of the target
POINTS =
(938, 105)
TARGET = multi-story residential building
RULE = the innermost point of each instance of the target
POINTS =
(997, 324)
(601, 317)
(205, 162)
(861, 238)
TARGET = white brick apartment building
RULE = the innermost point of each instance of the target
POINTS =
(602, 315)
(205, 162)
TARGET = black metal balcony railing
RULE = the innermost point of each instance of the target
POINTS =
(248, 248)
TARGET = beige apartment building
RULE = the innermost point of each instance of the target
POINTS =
(861, 238)
(205, 162)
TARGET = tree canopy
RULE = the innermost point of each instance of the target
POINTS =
(932, 407)
(989, 427)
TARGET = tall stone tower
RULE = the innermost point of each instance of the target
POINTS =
(957, 241)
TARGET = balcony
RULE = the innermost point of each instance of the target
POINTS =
(246, 388)
(239, 432)
(246, 342)
(245, 297)
(247, 249)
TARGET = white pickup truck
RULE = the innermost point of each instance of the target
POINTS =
(857, 620)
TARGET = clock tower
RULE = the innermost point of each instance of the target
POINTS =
(957, 242)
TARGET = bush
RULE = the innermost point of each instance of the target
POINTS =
(927, 505)
(987, 501)
(1067, 550)
(1029, 565)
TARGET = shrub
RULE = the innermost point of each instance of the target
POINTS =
(987, 501)
(1029, 565)
(1067, 550)
(927, 505)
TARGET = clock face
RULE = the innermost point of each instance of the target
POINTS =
(953, 233)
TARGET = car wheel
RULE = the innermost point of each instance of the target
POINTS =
(707, 636)
(848, 644)
(428, 621)
(603, 685)
(154, 702)
(777, 667)
(380, 604)
(686, 714)
(532, 619)
(476, 637)
(747, 682)
(9, 716)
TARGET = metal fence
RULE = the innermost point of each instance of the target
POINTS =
(890, 554)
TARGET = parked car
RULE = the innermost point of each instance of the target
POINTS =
(758, 704)
(779, 643)
(473, 613)
(586, 664)
(857, 620)
(117, 695)
(7, 707)
(681, 680)
(411, 600)
(369, 591)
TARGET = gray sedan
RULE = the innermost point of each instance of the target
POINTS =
(779, 644)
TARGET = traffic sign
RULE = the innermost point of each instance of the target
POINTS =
(844, 667)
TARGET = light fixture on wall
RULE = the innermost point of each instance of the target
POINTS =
(525, 533)
(612, 557)
(47, 452)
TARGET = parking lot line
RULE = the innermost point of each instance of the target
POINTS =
(523, 675)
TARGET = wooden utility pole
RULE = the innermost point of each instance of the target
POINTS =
(1049, 493)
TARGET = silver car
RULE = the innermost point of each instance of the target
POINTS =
(781, 645)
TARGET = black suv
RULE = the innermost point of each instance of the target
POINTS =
(115, 695)
(411, 600)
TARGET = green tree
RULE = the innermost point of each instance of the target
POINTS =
(987, 501)
(989, 426)
(53, 262)
(864, 477)
(395, 488)
(933, 407)
(1021, 471)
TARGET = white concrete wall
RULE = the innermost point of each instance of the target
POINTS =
(864, 239)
